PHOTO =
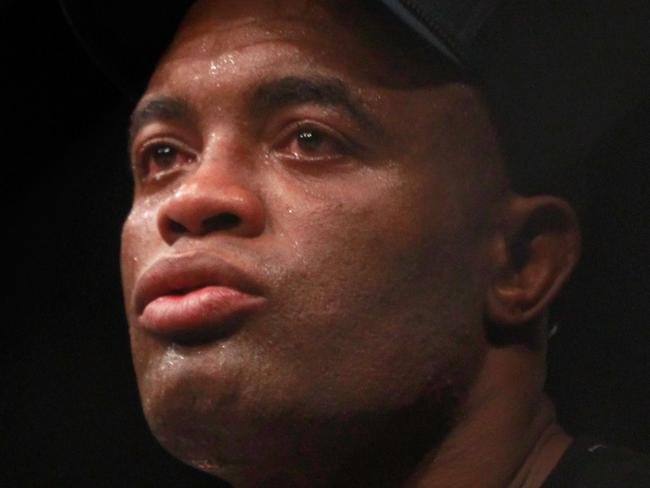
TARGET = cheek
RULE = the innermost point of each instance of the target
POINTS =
(139, 240)
(131, 257)
(380, 297)
(131, 263)
(128, 251)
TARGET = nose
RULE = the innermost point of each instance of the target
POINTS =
(210, 202)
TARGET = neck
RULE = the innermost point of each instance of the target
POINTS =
(507, 436)
(504, 436)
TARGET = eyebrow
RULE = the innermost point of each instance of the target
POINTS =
(268, 97)
(165, 108)
(276, 94)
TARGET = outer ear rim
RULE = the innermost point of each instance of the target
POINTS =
(523, 287)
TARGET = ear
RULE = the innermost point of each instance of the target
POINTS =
(537, 248)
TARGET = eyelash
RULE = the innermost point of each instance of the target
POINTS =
(147, 152)
(341, 146)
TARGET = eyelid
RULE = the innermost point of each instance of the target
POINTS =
(172, 133)
(141, 150)
(347, 145)
(165, 138)
(337, 148)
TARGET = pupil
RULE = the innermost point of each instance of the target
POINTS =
(309, 140)
(164, 155)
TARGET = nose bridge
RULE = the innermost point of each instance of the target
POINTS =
(218, 196)
(218, 169)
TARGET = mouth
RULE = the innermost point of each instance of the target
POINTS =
(190, 296)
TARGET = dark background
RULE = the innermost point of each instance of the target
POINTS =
(69, 410)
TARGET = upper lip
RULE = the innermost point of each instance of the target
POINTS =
(186, 272)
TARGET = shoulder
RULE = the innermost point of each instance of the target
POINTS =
(591, 464)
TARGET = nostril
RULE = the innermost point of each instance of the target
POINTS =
(223, 221)
(220, 222)
(176, 228)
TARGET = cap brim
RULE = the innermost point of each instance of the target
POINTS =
(125, 39)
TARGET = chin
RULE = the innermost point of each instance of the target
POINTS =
(192, 417)
(218, 427)
(186, 399)
(221, 437)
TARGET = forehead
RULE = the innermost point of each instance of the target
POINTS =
(320, 28)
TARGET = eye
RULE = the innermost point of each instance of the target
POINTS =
(312, 144)
(163, 156)
(159, 158)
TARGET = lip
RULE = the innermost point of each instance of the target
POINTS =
(193, 293)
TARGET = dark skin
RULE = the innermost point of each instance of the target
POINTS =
(403, 285)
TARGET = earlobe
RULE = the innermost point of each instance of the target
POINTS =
(535, 252)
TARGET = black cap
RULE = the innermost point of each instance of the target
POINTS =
(451, 26)
(127, 38)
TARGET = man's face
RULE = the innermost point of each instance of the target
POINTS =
(306, 252)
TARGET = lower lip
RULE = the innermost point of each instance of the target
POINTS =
(208, 307)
